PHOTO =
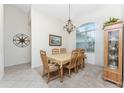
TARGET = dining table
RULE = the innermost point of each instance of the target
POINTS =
(60, 59)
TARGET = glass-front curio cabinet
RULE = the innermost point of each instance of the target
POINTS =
(113, 57)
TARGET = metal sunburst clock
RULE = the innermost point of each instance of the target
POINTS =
(21, 40)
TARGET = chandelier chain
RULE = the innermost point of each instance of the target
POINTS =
(69, 27)
(69, 11)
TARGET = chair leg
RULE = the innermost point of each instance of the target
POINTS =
(43, 72)
(81, 65)
(48, 77)
(69, 72)
(59, 72)
(75, 70)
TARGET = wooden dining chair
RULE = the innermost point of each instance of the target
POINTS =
(84, 55)
(55, 51)
(72, 63)
(47, 67)
(80, 60)
(62, 50)
(82, 51)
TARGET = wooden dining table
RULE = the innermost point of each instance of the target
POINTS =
(60, 59)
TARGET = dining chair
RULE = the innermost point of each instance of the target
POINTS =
(55, 51)
(84, 55)
(81, 50)
(62, 50)
(80, 61)
(72, 63)
(48, 68)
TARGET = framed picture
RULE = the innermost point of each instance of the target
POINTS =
(55, 40)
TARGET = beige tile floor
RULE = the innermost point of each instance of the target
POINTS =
(22, 76)
(89, 77)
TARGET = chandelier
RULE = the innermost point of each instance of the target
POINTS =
(69, 27)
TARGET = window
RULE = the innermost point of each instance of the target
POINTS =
(85, 37)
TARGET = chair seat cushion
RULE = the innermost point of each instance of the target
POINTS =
(53, 67)
(69, 66)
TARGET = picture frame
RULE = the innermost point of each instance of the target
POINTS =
(55, 40)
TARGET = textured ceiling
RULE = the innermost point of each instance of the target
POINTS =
(24, 7)
(61, 11)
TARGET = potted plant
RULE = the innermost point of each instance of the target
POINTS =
(110, 22)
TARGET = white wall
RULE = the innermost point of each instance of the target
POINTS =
(1, 41)
(42, 26)
(16, 21)
(99, 16)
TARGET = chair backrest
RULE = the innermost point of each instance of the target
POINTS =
(44, 59)
(80, 57)
(74, 51)
(80, 50)
(73, 59)
(55, 51)
(62, 50)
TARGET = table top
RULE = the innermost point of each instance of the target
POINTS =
(60, 57)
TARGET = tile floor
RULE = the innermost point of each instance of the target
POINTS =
(22, 76)
(89, 77)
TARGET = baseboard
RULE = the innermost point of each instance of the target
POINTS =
(16, 64)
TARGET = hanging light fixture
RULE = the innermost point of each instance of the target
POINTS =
(69, 27)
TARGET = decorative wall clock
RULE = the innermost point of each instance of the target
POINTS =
(21, 40)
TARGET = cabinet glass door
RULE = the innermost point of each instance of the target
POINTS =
(113, 41)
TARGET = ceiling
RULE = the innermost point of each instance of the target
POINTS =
(61, 11)
(24, 7)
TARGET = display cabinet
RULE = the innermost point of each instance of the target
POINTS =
(113, 53)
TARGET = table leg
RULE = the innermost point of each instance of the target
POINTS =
(61, 74)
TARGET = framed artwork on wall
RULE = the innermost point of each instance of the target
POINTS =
(55, 40)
